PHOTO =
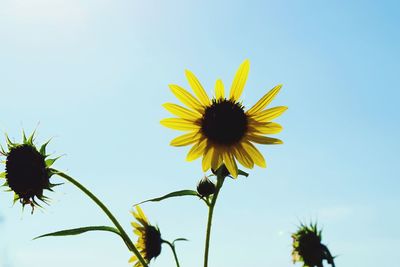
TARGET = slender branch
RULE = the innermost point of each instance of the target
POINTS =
(121, 230)
(172, 246)
(220, 182)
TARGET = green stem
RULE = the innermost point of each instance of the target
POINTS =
(121, 230)
(173, 251)
(220, 182)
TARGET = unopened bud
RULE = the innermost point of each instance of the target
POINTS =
(205, 187)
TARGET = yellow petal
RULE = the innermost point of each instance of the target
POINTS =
(182, 112)
(142, 221)
(134, 213)
(243, 158)
(216, 160)
(208, 155)
(186, 98)
(265, 100)
(197, 150)
(186, 139)
(135, 225)
(265, 128)
(132, 259)
(240, 80)
(230, 163)
(140, 217)
(141, 213)
(219, 90)
(141, 245)
(179, 124)
(264, 139)
(197, 88)
(137, 232)
(257, 157)
(269, 114)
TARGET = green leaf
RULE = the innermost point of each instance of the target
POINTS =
(10, 144)
(53, 185)
(43, 148)
(16, 198)
(37, 204)
(3, 175)
(81, 230)
(24, 139)
(31, 138)
(45, 199)
(243, 173)
(50, 162)
(180, 193)
(2, 151)
(179, 239)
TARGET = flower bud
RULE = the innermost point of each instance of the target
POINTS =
(205, 187)
(308, 249)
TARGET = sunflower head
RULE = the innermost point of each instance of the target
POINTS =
(27, 171)
(220, 130)
(205, 187)
(149, 238)
(307, 247)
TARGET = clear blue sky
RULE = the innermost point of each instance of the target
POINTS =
(94, 75)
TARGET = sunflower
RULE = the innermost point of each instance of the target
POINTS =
(27, 171)
(220, 129)
(149, 241)
(308, 249)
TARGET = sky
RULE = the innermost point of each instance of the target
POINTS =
(92, 75)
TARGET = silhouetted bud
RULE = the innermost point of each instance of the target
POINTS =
(307, 247)
(205, 187)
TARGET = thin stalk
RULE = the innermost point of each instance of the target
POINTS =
(172, 246)
(121, 230)
(220, 181)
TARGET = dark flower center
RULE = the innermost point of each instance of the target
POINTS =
(224, 122)
(311, 249)
(152, 242)
(26, 172)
